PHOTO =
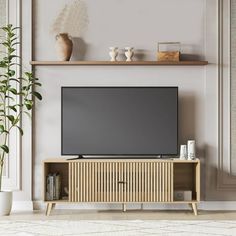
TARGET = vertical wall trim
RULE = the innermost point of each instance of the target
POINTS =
(12, 177)
(220, 76)
(33, 110)
(225, 179)
(230, 85)
(25, 193)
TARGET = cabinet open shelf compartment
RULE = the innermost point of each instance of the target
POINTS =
(63, 170)
(186, 178)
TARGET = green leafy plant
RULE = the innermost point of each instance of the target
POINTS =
(17, 93)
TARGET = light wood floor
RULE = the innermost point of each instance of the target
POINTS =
(119, 215)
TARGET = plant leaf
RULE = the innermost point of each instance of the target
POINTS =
(37, 95)
(2, 130)
(29, 75)
(16, 80)
(10, 98)
(15, 28)
(5, 148)
(15, 43)
(11, 118)
(3, 64)
(29, 104)
(11, 73)
(37, 83)
(13, 90)
(12, 108)
(21, 130)
(15, 121)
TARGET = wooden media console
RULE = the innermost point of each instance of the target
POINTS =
(124, 181)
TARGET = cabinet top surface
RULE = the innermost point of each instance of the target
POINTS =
(64, 160)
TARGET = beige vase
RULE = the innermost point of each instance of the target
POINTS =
(64, 47)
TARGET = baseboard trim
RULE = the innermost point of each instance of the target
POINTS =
(218, 205)
(22, 206)
(204, 205)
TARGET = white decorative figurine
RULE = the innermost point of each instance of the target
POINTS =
(113, 53)
(129, 53)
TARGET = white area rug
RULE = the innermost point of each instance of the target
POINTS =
(117, 228)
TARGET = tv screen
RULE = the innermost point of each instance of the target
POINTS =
(119, 121)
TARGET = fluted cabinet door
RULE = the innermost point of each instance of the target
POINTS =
(148, 182)
(120, 181)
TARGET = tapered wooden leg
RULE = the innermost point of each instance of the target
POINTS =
(194, 207)
(48, 209)
(124, 207)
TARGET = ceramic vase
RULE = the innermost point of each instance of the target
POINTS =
(183, 152)
(5, 203)
(129, 53)
(64, 47)
(113, 53)
(191, 150)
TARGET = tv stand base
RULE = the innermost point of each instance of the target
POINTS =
(125, 181)
(75, 158)
(52, 205)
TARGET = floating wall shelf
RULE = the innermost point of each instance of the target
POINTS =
(118, 63)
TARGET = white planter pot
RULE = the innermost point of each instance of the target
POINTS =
(5, 203)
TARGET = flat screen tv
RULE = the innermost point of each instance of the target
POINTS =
(119, 121)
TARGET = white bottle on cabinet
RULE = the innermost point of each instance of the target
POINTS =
(191, 150)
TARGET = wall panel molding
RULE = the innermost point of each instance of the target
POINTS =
(12, 173)
(226, 180)
(18, 170)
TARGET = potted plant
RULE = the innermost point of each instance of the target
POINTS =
(16, 99)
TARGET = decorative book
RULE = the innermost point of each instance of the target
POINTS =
(53, 187)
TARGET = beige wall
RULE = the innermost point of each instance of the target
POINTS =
(140, 24)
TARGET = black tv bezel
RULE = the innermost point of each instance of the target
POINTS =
(120, 155)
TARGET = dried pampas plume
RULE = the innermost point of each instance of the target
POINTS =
(73, 19)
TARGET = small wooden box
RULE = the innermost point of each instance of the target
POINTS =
(168, 51)
(168, 56)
